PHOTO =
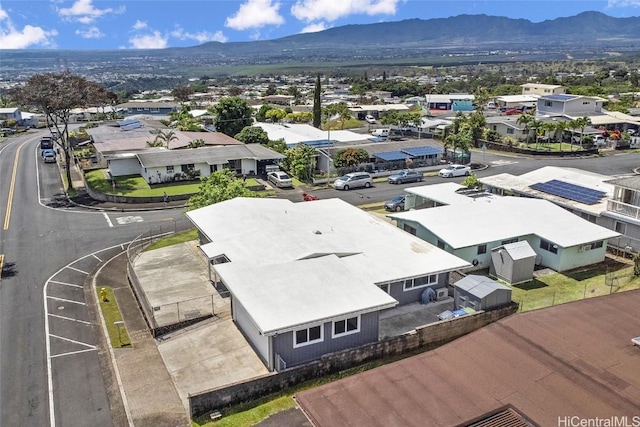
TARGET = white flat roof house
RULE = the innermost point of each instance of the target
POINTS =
(304, 275)
(471, 228)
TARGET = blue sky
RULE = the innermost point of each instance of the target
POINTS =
(155, 24)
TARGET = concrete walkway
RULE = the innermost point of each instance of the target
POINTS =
(149, 395)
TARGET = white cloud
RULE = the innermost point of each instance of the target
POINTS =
(90, 33)
(13, 38)
(149, 41)
(623, 3)
(139, 25)
(255, 14)
(314, 28)
(332, 10)
(200, 37)
(85, 12)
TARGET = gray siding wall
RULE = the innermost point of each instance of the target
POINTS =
(497, 298)
(283, 344)
(523, 270)
(396, 290)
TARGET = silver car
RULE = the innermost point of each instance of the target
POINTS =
(353, 180)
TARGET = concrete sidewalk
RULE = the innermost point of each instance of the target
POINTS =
(148, 392)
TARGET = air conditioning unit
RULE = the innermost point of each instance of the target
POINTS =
(442, 293)
(585, 248)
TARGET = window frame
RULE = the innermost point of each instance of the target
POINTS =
(409, 284)
(308, 341)
(346, 326)
(548, 246)
(481, 249)
(170, 169)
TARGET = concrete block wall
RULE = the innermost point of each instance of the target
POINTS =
(426, 338)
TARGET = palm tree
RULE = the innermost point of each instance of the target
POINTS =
(535, 125)
(582, 123)
(525, 120)
(573, 125)
(561, 126)
(166, 138)
(547, 127)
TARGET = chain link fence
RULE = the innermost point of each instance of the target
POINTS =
(167, 314)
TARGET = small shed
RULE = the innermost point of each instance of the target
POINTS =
(513, 262)
(480, 293)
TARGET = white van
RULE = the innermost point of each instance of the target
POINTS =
(383, 133)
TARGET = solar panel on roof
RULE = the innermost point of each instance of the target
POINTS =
(131, 126)
(422, 151)
(390, 156)
(570, 191)
(127, 121)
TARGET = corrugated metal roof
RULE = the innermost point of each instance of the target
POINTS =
(480, 286)
(422, 151)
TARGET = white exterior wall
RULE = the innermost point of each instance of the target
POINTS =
(259, 342)
(581, 105)
(248, 165)
(159, 174)
(121, 167)
(574, 257)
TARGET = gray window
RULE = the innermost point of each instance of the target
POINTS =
(169, 169)
(347, 326)
(621, 227)
(440, 244)
(482, 249)
(506, 242)
(420, 282)
(307, 336)
(409, 229)
(548, 246)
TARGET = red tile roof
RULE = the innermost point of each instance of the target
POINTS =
(574, 359)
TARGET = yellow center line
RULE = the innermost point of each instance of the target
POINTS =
(7, 215)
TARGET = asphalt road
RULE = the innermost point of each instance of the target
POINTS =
(52, 366)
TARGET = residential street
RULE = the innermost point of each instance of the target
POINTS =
(51, 371)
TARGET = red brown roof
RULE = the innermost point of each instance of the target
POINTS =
(573, 359)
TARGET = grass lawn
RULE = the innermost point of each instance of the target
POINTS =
(136, 186)
(174, 239)
(558, 288)
(111, 313)
(554, 146)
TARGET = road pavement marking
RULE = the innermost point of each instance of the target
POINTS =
(94, 255)
(74, 341)
(73, 352)
(12, 186)
(67, 284)
(66, 300)
(108, 219)
(503, 162)
(47, 329)
(71, 319)
(129, 219)
(77, 269)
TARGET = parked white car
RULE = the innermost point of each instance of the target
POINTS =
(370, 119)
(383, 133)
(454, 170)
(279, 179)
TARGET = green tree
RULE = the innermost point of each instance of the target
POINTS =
(525, 120)
(560, 127)
(341, 109)
(271, 89)
(55, 95)
(183, 120)
(475, 123)
(275, 115)
(219, 186)
(317, 104)
(350, 157)
(472, 181)
(581, 123)
(166, 138)
(261, 115)
(300, 161)
(231, 115)
(277, 145)
(182, 93)
(196, 143)
(253, 135)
